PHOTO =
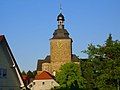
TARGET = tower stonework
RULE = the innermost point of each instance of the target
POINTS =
(60, 50)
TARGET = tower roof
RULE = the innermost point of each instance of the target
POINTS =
(60, 33)
(60, 17)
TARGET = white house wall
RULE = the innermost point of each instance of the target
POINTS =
(43, 84)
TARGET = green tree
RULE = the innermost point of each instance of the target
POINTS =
(23, 72)
(69, 77)
(34, 73)
(104, 65)
(30, 74)
(88, 73)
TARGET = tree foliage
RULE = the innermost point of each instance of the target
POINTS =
(30, 74)
(23, 72)
(102, 69)
(69, 77)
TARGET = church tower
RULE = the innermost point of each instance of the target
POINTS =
(60, 50)
(60, 45)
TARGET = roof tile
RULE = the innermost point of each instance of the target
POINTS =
(43, 76)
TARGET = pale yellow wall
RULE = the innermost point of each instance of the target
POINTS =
(38, 84)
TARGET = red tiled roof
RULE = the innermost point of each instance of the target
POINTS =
(1, 37)
(43, 76)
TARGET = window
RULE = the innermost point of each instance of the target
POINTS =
(3, 73)
(30, 85)
(43, 83)
(33, 83)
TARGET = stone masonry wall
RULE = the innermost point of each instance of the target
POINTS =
(46, 67)
(60, 51)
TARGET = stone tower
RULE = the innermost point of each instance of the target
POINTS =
(60, 50)
(60, 45)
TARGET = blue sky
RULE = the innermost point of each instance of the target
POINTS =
(29, 24)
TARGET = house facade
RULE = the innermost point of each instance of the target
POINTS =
(10, 76)
(43, 81)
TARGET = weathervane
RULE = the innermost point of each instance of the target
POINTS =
(60, 7)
